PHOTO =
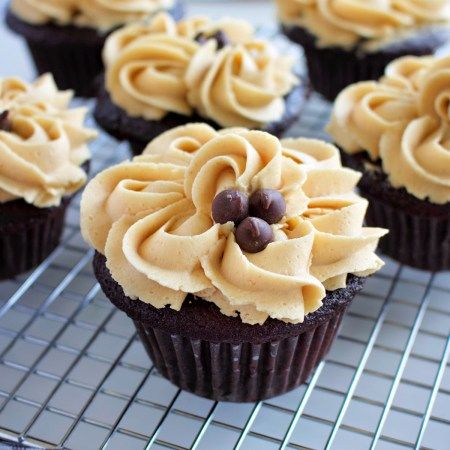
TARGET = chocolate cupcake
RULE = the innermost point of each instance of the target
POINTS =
(235, 254)
(216, 72)
(349, 41)
(66, 38)
(397, 132)
(43, 158)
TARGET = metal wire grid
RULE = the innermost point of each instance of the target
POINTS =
(73, 373)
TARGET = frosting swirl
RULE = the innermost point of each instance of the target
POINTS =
(45, 143)
(101, 14)
(243, 85)
(404, 120)
(346, 22)
(152, 219)
(161, 67)
(147, 78)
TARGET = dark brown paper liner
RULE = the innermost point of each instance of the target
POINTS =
(215, 356)
(243, 372)
(73, 66)
(30, 235)
(73, 55)
(417, 241)
(419, 231)
(331, 69)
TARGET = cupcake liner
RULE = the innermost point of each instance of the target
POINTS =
(28, 235)
(72, 54)
(244, 372)
(74, 66)
(417, 241)
(331, 69)
(419, 231)
(219, 357)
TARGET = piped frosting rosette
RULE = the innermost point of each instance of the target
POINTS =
(101, 14)
(347, 22)
(152, 218)
(403, 120)
(216, 68)
(42, 140)
(244, 84)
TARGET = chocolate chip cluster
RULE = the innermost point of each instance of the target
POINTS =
(252, 216)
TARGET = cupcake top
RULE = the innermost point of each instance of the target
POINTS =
(42, 140)
(216, 69)
(403, 120)
(346, 23)
(100, 14)
(258, 226)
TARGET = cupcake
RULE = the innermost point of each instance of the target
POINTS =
(66, 37)
(397, 131)
(235, 254)
(346, 41)
(43, 162)
(165, 74)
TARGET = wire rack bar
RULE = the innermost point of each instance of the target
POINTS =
(204, 428)
(363, 361)
(121, 416)
(434, 393)
(301, 406)
(248, 425)
(401, 367)
(95, 392)
(154, 436)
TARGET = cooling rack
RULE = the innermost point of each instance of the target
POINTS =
(74, 375)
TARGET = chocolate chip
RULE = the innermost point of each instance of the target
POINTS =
(201, 38)
(230, 205)
(268, 204)
(219, 36)
(253, 235)
(5, 123)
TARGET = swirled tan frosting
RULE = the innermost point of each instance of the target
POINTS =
(243, 85)
(404, 120)
(151, 217)
(156, 68)
(101, 14)
(346, 22)
(41, 153)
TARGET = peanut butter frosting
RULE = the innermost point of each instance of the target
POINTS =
(161, 67)
(100, 14)
(404, 121)
(42, 140)
(347, 22)
(243, 85)
(152, 219)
